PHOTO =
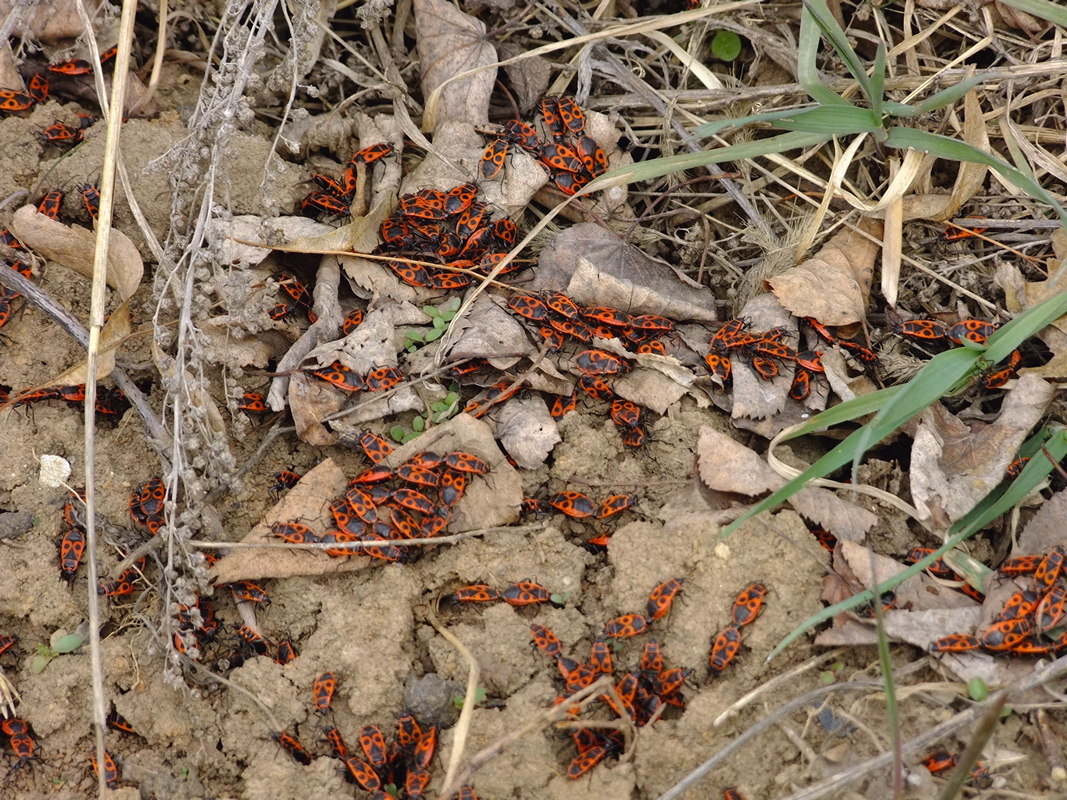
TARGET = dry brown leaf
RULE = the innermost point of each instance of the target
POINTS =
(1021, 294)
(307, 503)
(55, 21)
(844, 519)
(954, 465)
(1045, 529)
(72, 247)
(489, 331)
(726, 465)
(526, 430)
(918, 593)
(491, 500)
(450, 42)
(528, 77)
(310, 402)
(600, 269)
(652, 388)
(832, 286)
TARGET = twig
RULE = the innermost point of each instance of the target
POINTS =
(96, 323)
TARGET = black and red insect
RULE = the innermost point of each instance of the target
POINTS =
(600, 362)
(249, 592)
(574, 504)
(91, 200)
(661, 598)
(476, 593)
(493, 158)
(748, 604)
(110, 769)
(525, 593)
(376, 448)
(292, 746)
(615, 504)
(725, 648)
(322, 691)
(71, 551)
(954, 643)
(625, 626)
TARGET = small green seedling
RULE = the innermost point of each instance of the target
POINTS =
(726, 45)
(62, 646)
(440, 410)
(479, 697)
(440, 317)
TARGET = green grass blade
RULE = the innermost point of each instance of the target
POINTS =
(839, 41)
(1055, 13)
(807, 72)
(947, 97)
(712, 128)
(940, 373)
(998, 502)
(955, 150)
(832, 120)
(878, 81)
(658, 167)
(1000, 345)
(845, 412)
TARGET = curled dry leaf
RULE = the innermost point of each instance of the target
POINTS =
(57, 21)
(600, 269)
(1021, 294)
(72, 246)
(954, 465)
(726, 465)
(308, 503)
(449, 43)
(834, 285)
(527, 431)
(491, 500)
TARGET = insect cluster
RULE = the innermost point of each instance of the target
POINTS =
(767, 352)
(572, 158)
(414, 501)
(399, 768)
(1031, 621)
(334, 198)
(748, 605)
(937, 333)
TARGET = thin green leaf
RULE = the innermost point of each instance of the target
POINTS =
(832, 120)
(938, 378)
(944, 370)
(894, 109)
(948, 96)
(994, 505)
(845, 412)
(838, 39)
(712, 128)
(807, 72)
(878, 81)
(431, 312)
(658, 167)
(1055, 13)
(1000, 345)
(955, 150)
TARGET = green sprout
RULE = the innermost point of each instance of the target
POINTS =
(440, 317)
(62, 646)
(440, 410)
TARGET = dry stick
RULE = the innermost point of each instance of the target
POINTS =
(463, 726)
(96, 324)
(835, 782)
(13, 280)
(582, 697)
(1051, 746)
